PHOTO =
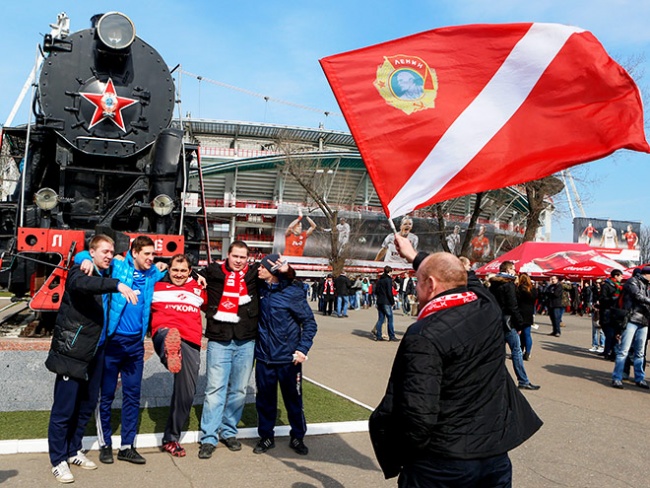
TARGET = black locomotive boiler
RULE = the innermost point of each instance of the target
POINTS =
(100, 156)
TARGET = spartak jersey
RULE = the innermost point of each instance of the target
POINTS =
(179, 307)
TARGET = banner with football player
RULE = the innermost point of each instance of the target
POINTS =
(618, 239)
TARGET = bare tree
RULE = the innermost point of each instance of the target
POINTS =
(311, 174)
(536, 192)
(464, 249)
(644, 245)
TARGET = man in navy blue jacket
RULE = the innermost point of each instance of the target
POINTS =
(286, 333)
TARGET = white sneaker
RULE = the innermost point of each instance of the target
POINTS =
(594, 349)
(601, 349)
(534, 326)
(82, 461)
(62, 473)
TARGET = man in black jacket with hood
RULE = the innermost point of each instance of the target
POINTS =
(451, 412)
(77, 355)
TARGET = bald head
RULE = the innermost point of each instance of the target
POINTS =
(439, 272)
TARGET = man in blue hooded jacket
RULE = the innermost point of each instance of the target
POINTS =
(286, 332)
(124, 354)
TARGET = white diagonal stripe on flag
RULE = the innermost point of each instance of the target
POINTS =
(485, 116)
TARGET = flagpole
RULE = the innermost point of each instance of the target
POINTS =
(392, 226)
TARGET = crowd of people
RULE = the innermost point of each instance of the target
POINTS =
(257, 313)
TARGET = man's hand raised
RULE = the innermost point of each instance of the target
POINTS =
(405, 248)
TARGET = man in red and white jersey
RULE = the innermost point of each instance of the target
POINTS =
(176, 327)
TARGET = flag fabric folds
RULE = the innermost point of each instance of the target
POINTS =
(465, 109)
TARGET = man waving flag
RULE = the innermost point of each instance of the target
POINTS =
(465, 109)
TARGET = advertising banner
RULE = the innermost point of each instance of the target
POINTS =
(366, 239)
(617, 239)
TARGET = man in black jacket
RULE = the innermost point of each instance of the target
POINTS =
(502, 286)
(451, 412)
(636, 301)
(231, 329)
(342, 286)
(554, 293)
(77, 355)
(383, 290)
(610, 292)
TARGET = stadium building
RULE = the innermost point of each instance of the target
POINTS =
(251, 194)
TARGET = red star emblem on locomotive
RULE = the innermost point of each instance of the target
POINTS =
(108, 105)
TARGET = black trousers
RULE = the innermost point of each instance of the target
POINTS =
(267, 378)
(493, 472)
(184, 385)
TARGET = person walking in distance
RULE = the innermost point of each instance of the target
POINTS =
(502, 286)
(383, 290)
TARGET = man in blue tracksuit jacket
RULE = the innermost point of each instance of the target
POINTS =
(124, 353)
(286, 330)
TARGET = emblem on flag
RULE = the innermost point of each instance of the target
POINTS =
(407, 83)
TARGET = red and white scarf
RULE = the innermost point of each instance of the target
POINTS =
(447, 301)
(235, 293)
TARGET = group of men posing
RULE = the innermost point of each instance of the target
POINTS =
(254, 312)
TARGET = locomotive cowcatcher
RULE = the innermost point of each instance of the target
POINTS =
(99, 157)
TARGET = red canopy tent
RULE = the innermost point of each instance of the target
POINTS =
(536, 258)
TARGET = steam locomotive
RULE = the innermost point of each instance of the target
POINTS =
(100, 157)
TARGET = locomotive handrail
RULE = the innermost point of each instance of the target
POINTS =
(22, 256)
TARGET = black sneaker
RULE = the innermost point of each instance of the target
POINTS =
(130, 455)
(299, 446)
(106, 454)
(232, 443)
(264, 445)
(206, 450)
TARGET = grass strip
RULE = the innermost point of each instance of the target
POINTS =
(320, 406)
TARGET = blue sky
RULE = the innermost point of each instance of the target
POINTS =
(272, 48)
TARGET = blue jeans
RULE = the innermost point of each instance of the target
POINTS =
(342, 304)
(597, 335)
(526, 339)
(385, 312)
(512, 338)
(229, 365)
(633, 336)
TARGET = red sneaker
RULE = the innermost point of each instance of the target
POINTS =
(174, 448)
(173, 351)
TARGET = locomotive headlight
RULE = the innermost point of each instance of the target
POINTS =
(115, 30)
(46, 199)
(162, 205)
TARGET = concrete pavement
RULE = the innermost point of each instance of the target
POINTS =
(593, 434)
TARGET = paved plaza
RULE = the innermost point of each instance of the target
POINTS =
(593, 435)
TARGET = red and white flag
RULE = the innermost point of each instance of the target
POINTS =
(465, 109)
